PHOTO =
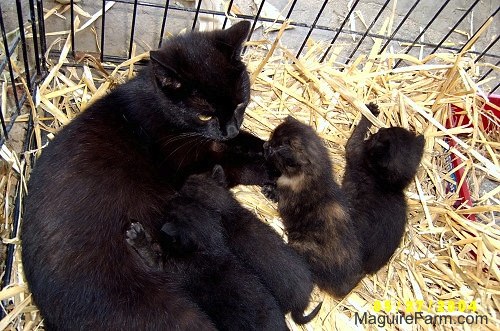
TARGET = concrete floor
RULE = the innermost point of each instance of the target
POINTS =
(149, 20)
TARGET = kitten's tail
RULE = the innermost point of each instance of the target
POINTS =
(301, 319)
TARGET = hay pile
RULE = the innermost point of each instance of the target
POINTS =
(444, 256)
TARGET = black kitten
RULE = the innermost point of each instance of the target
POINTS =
(194, 244)
(378, 170)
(279, 268)
(122, 160)
(313, 207)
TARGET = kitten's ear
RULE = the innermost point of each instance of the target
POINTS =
(219, 175)
(290, 119)
(165, 75)
(420, 143)
(232, 39)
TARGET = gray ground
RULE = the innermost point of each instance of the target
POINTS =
(149, 19)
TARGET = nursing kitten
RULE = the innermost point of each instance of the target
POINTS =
(378, 170)
(121, 160)
(313, 207)
(194, 245)
(278, 267)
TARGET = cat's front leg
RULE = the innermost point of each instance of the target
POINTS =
(354, 146)
(143, 244)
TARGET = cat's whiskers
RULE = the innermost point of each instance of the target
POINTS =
(198, 142)
(180, 136)
(180, 147)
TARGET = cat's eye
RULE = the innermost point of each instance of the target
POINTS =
(204, 117)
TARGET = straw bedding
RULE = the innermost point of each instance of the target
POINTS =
(443, 255)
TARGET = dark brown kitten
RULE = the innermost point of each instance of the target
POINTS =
(377, 172)
(313, 207)
(195, 245)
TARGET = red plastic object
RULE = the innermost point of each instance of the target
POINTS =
(459, 118)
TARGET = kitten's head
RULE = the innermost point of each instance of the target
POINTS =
(203, 74)
(294, 149)
(191, 228)
(209, 189)
(393, 155)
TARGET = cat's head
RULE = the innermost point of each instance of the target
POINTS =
(393, 155)
(294, 149)
(191, 228)
(202, 73)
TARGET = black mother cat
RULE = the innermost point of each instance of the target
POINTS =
(120, 161)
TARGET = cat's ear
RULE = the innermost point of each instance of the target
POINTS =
(231, 40)
(165, 75)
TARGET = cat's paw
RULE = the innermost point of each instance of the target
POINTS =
(270, 191)
(373, 108)
(136, 236)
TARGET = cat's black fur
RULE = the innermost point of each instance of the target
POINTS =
(278, 267)
(121, 160)
(377, 171)
(313, 207)
(195, 245)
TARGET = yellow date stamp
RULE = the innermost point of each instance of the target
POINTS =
(417, 306)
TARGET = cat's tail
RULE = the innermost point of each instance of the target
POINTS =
(301, 319)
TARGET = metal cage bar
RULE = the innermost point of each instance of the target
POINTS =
(492, 16)
(72, 18)
(460, 20)
(312, 28)
(229, 7)
(292, 6)
(367, 31)
(403, 21)
(163, 22)
(252, 29)
(132, 30)
(23, 43)
(488, 72)
(41, 28)
(35, 36)
(415, 41)
(167, 7)
(103, 24)
(8, 53)
(339, 30)
(196, 15)
(494, 42)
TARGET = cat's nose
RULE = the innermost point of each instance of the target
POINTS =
(231, 132)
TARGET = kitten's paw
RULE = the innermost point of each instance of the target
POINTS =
(373, 108)
(136, 236)
(270, 191)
